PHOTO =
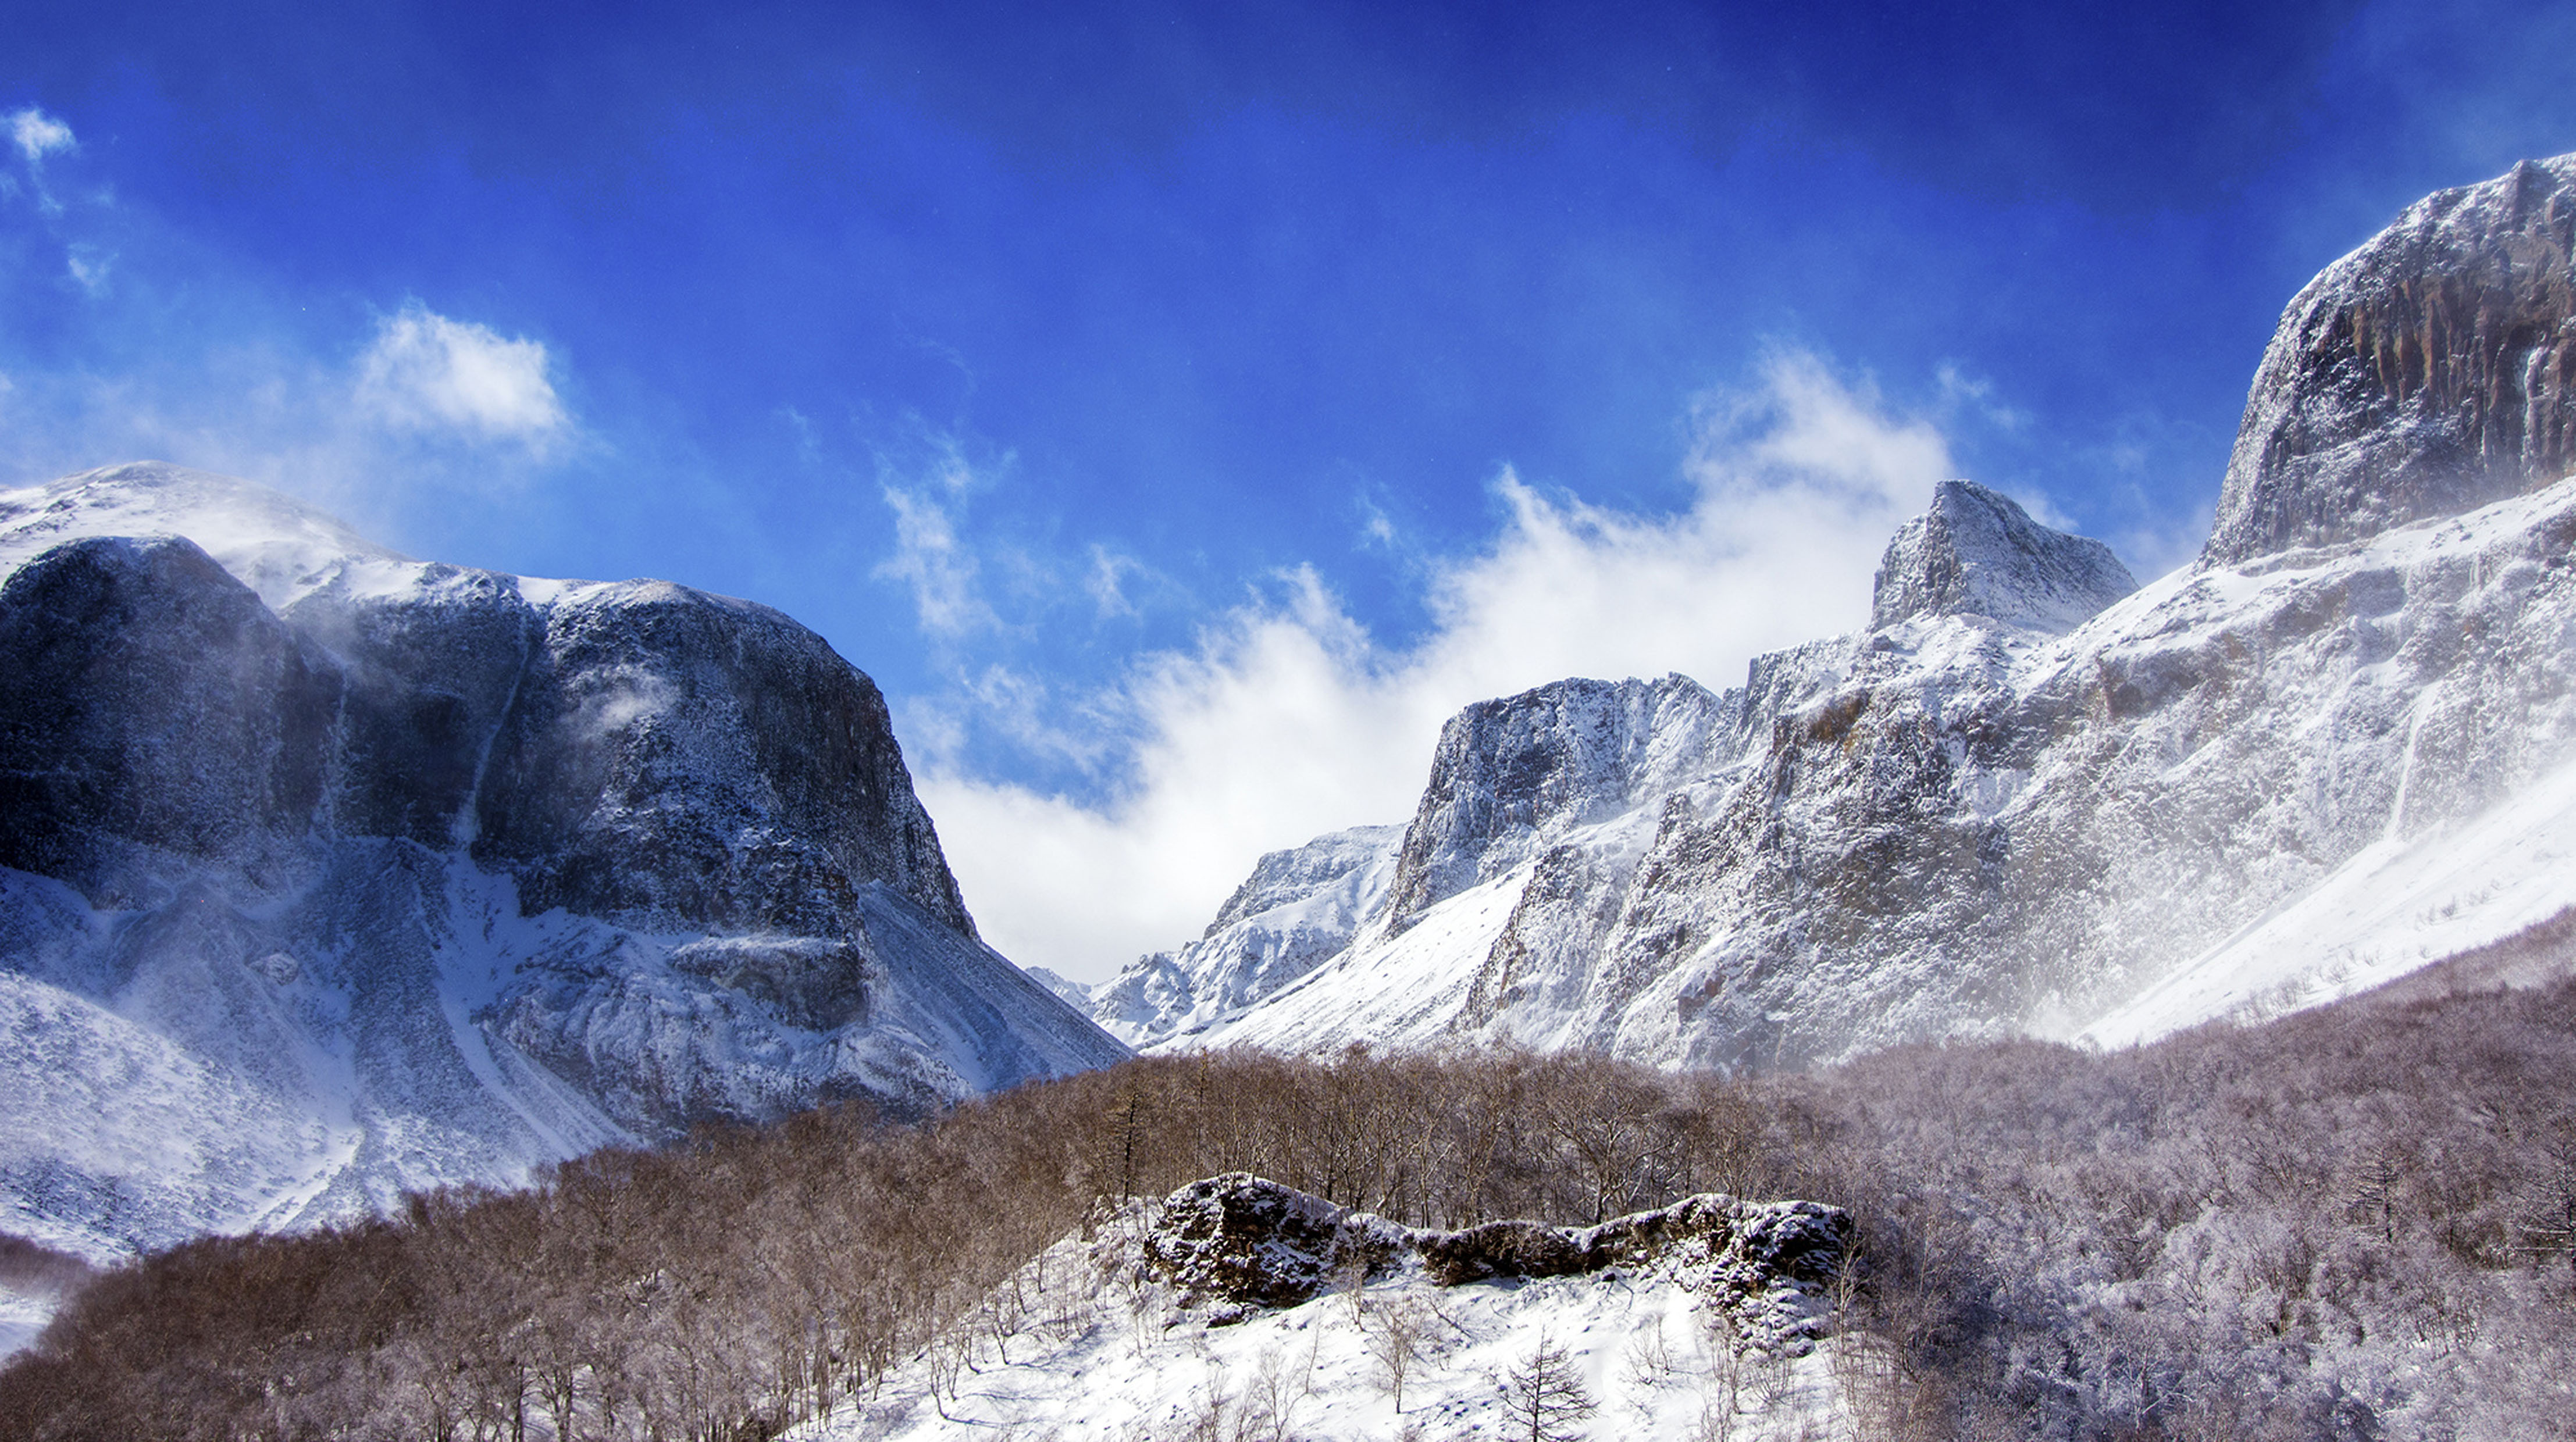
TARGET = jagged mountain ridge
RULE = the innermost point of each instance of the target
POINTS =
(330, 874)
(1298, 909)
(2028, 800)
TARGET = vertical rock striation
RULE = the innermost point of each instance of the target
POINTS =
(2429, 372)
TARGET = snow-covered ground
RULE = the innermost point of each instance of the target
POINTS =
(1094, 1351)
(2402, 904)
(22, 1316)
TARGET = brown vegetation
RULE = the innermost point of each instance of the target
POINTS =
(2345, 1223)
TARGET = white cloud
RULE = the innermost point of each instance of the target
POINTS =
(928, 555)
(37, 134)
(89, 267)
(425, 372)
(1287, 719)
(1106, 585)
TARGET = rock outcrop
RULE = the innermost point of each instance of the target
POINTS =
(1510, 775)
(400, 874)
(1977, 553)
(1233, 1243)
(2428, 373)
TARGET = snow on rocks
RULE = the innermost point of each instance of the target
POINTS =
(2429, 372)
(342, 874)
(2032, 798)
(1299, 908)
(1240, 1307)
(1976, 552)
(1951, 827)
(1236, 1242)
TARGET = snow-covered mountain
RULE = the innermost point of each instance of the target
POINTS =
(328, 874)
(1297, 909)
(2030, 796)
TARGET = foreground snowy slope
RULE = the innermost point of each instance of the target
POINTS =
(329, 874)
(2027, 800)
(1126, 1333)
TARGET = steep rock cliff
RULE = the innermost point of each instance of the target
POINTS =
(328, 874)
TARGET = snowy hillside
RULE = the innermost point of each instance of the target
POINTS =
(331, 874)
(2288, 780)
(2032, 798)
(1236, 1307)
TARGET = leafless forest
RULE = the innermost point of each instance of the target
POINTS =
(2352, 1223)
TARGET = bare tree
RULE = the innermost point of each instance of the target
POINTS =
(1545, 1398)
(1397, 1331)
(2548, 1221)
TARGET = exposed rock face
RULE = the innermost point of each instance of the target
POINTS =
(411, 874)
(151, 701)
(1977, 553)
(2032, 799)
(675, 757)
(1298, 909)
(1511, 774)
(1236, 1242)
(2426, 374)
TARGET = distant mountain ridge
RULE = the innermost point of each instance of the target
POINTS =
(2031, 796)
(329, 874)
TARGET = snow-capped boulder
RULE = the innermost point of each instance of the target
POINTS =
(1977, 553)
(2428, 373)
(1237, 1242)
(327, 874)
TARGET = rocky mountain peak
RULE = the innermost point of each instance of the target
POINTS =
(2429, 372)
(1511, 774)
(1977, 552)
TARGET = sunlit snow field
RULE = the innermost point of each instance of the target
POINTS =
(1081, 1349)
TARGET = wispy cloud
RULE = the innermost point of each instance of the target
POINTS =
(1107, 582)
(37, 135)
(929, 557)
(1287, 718)
(425, 372)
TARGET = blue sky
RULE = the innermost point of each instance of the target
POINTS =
(1180, 409)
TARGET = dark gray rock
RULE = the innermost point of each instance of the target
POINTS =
(673, 757)
(1237, 1242)
(150, 701)
(2427, 373)
(394, 875)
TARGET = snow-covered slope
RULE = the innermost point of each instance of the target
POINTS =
(2032, 799)
(1117, 1336)
(1295, 910)
(328, 874)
